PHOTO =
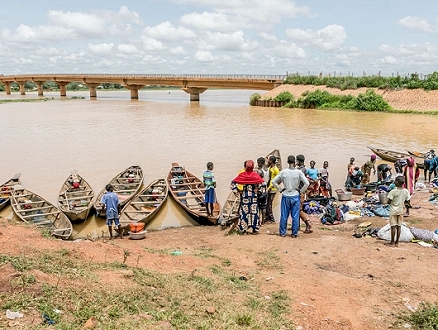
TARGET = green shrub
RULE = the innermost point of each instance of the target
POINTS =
(284, 97)
(425, 318)
(254, 98)
(370, 101)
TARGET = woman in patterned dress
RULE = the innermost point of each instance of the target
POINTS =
(250, 182)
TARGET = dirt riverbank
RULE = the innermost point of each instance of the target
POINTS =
(405, 99)
(333, 280)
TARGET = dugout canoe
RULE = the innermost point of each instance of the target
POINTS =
(127, 184)
(416, 154)
(230, 209)
(393, 156)
(6, 190)
(144, 206)
(75, 198)
(33, 209)
(188, 191)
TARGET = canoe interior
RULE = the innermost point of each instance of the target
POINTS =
(6, 190)
(144, 206)
(75, 198)
(126, 185)
(393, 156)
(33, 209)
(188, 191)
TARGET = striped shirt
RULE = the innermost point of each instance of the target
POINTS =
(209, 180)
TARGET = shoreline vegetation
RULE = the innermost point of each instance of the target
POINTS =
(386, 94)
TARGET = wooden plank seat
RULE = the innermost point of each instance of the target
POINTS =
(36, 208)
(189, 196)
(75, 198)
(123, 190)
(40, 214)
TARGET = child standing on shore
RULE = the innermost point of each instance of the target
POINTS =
(210, 185)
(397, 198)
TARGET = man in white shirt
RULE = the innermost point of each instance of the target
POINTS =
(290, 199)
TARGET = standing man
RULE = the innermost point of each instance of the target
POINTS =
(272, 190)
(263, 194)
(295, 184)
(110, 202)
(303, 215)
(210, 185)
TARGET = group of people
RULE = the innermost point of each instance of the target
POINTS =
(257, 186)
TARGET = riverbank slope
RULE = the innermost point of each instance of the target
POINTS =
(405, 99)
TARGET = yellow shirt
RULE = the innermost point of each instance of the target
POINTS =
(273, 172)
(240, 186)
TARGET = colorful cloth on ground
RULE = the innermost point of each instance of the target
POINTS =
(313, 189)
(398, 197)
(209, 180)
(411, 174)
(423, 234)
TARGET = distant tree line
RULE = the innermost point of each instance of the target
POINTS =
(413, 81)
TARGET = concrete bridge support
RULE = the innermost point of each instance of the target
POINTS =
(134, 90)
(7, 87)
(40, 87)
(62, 89)
(194, 92)
(21, 84)
(93, 92)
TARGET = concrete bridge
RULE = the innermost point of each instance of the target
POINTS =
(193, 84)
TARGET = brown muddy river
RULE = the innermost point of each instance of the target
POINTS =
(44, 141)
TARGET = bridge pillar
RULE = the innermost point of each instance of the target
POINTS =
(62, 89)
(194, 92)
(40, 87)
(92, 87)
(7, 87)
(21, 84)
(134, 90)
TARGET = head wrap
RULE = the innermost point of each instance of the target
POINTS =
(410, 161)
(249, 176)
(373, 157)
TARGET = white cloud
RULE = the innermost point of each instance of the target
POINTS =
(418, 24)
(209, 21)
(328, 38)
(177, 50)
(128, 49)
(82, 25)
(151, 43)
(167, 32)
(226, 42)
(104, 48)
(204, 56)
(37, 34)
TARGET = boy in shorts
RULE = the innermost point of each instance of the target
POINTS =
(210, 185)
(111, 204)
(397, 198)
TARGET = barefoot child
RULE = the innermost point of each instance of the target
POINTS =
(210, 185)
(397, 198)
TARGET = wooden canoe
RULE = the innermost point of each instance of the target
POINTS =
(6, 190)
(188, 191)
(126, 185)
(230, 209)
(144, 206)
(75, 198)
(33, 209)
(393, 156)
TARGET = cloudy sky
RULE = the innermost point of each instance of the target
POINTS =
(219, 36)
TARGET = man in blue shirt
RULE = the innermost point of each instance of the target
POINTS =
(111, 203)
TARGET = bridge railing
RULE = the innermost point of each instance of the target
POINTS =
(164, 76)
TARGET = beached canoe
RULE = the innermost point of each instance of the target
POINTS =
(126, 185)
(144, 206)
(33, 209)
(6, 190)
(188, 191)
(75, 198)
(393, 156)
(416, 154)
(230, 209)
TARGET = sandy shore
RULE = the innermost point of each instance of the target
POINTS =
(406, 99)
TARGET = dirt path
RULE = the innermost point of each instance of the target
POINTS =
(406, 99)
(335, 281)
